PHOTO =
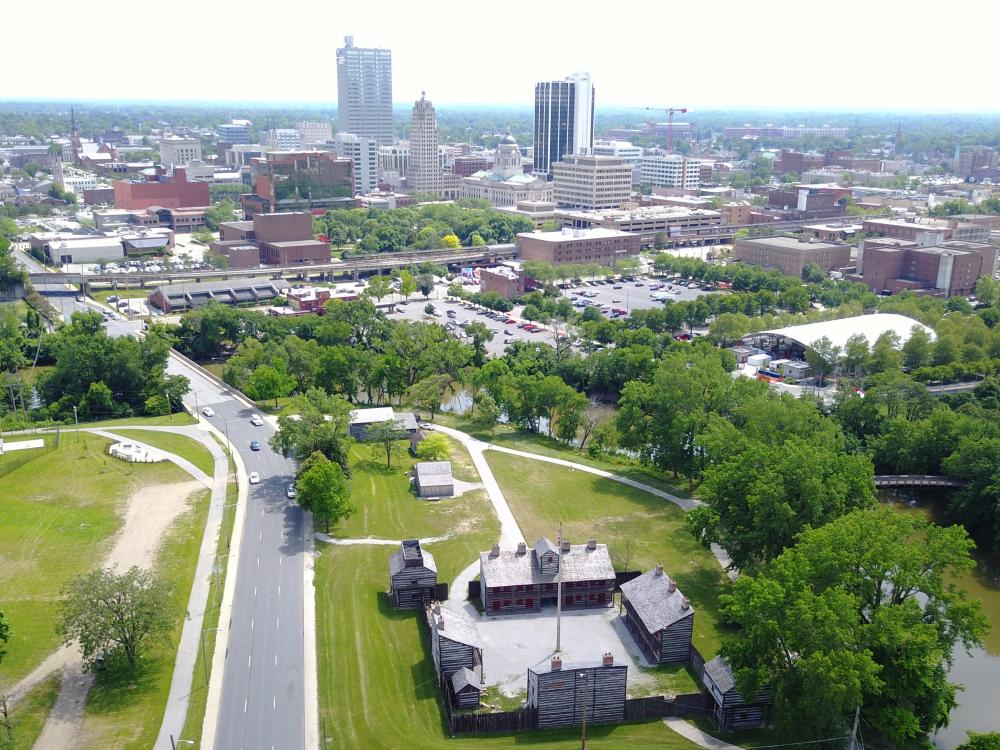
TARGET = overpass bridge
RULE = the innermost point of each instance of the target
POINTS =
(350, 267)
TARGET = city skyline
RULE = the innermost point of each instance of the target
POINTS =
(706, 65)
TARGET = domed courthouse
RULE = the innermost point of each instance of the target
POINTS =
(506, 184)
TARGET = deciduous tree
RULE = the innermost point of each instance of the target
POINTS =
(434, 447)
(322, 488)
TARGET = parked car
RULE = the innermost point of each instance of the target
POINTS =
(256, 420)
(508, 332)
(254, 477)
(427, 426)
(290, 492)
(208, 411)
(255, 445)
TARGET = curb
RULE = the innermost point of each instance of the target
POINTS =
(309, 667)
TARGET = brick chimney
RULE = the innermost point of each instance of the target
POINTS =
(608, 660)
(685, 603)
(566, 545)
(522, 548)
(495, 550)
(436, 608)
(440, 623)
(556, 663)
(591, 544)
(659, 569)
(672, 585)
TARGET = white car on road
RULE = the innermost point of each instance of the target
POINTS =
(427, 426)
(254, 477)
(208, 411)
(256, 420)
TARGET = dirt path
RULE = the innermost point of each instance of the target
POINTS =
(149, 512)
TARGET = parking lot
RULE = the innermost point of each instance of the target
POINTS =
(631, 295)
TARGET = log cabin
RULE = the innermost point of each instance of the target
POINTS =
(465, 688)
(517, 581)
(562, 692)
(412, 575)
(730, 709)
(659, 617)
(455, 643)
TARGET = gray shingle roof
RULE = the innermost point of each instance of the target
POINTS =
(397, 561)
(544, 545)
(720, 672)
(458, 627)
(433, 472)
(464, 678)
(653, 601)
(579, 564)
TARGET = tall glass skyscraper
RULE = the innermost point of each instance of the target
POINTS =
(564, 120)
(364, 92)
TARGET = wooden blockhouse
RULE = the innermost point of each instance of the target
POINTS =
(412, 575)
(730, 710)
(561, 694)
(659, 617)
(455, 643)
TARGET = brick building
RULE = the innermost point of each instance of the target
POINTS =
(299, 181)
(597, 245)
(927, 231)
(948, 269)
(506, 281)
(161, 191)
(281, 239)
(791, 255)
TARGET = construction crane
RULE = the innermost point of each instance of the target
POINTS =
(670, 122)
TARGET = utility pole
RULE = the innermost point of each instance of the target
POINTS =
(170, 412)
(77, 422)
(559, 593)
(586, 696)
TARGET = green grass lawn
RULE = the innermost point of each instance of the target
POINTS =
(511, 437)
(177, 419)
(58, 514)
(29, 715)
(199, 692)
(631, 522)
(101, 295)
(125, 708)
(376, 679)
(171, 442)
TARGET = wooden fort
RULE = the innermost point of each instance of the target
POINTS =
(561, 694)
(659, 616)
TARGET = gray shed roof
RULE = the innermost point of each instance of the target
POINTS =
(433, 472)
(721, 673)
(458, 627)
(579, 564)
(464, 678)
(653, 601)
(544, 545)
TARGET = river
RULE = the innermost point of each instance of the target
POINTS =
(977, 672)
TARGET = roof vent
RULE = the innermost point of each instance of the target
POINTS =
(522, 548)
(672, 585)
(685, 603)
(658, 570)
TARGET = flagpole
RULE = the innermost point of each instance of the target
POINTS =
(559, 594)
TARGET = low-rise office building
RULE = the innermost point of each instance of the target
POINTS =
(506, 281)
(791, 255)
(596, 245)
(179, 297)
(591, 182)
(674, 225)
(947, 269)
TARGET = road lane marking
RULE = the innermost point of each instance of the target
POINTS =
(275, 660)
(244, 705)
(254, 592)
(274, 704)
(279, 589)
(277, 622)
(251, 623)
(249, 660)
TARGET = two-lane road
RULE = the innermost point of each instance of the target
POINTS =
(263, 703)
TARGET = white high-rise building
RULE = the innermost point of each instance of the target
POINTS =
(364, 91)
(661, 169)
(564, 120)
(364, 153)
(424, 174)
(312, 133)
(283, 139)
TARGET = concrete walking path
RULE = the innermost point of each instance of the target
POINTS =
(373, 540)
(64, 720)
(698, 737)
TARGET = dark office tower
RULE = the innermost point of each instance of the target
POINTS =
(364, 92)
(564, 120)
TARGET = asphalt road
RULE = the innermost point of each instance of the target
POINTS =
(262, 705)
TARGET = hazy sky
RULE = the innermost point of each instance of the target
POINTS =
(846, 54)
